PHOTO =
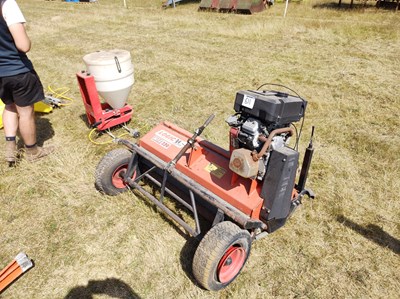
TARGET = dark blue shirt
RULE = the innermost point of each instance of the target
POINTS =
(12, 61)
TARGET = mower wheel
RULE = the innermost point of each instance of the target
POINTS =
(109, 171)
(221, 255)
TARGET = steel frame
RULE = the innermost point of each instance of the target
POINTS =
(194, 189)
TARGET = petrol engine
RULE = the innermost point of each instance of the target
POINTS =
(259, 137)
(262, 124)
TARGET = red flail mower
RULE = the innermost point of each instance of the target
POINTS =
(239, 195)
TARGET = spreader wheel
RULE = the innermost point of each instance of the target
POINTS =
(110, 170)
(221, 255)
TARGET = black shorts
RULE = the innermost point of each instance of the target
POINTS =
(23, 89)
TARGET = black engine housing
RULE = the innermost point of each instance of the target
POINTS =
(270, 107)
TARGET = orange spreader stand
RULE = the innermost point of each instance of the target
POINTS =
(100, 115)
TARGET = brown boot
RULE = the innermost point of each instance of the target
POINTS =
(11, 151)
(35, 153)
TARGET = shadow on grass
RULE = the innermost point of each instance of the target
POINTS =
(111, 287)
(374, 233)
(186, 257)
(388, 5)
(84, 119)
(344, 6)
(179, 210)
(44, 130)
(191, 244)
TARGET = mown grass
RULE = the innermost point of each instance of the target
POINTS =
(188, 64)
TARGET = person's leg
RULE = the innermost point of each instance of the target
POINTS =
(24, 90)
(10, 123)
(27, 126)
(27, 129)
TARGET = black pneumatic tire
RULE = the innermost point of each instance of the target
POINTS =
(221, 255)
(107, 175)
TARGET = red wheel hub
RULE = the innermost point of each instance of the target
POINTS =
(117, 179)
(231, 263)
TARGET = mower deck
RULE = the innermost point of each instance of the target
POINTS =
(194, 189)
(207, 164)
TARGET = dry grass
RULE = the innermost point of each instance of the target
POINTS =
(345, 244)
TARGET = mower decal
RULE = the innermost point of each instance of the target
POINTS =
(161, 142)
(215, 170)
(171, 139)
(248, 101)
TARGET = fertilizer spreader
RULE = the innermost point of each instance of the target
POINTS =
(243, 193)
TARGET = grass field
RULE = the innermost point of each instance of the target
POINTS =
(345, 244)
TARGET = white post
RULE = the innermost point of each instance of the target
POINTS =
(125, 4)
(286, 7)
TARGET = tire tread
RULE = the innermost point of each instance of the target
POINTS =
(211, 249)
(106, 165)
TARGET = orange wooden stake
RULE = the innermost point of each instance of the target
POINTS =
(15, 269)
